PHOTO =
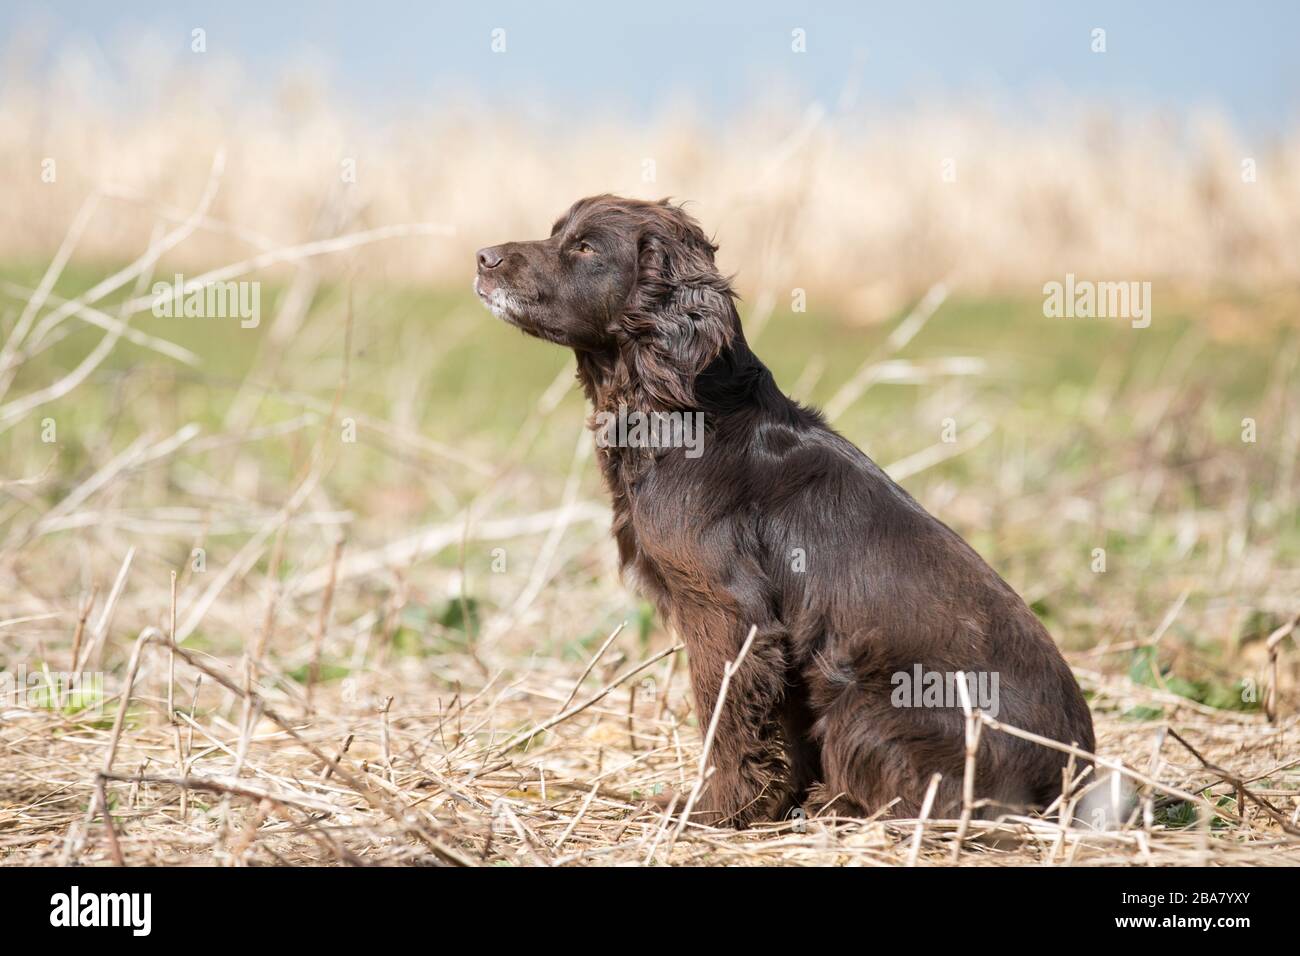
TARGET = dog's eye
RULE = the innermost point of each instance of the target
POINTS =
(585, 248)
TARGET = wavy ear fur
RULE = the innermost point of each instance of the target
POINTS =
(681, 314)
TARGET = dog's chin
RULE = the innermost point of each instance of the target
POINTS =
(503, 303)
(512, 309)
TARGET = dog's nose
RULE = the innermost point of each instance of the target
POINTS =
(488, 258)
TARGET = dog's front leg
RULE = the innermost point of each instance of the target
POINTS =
(745, 785)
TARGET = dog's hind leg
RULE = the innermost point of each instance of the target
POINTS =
(879, 759)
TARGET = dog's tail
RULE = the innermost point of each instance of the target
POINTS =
(1107, 803)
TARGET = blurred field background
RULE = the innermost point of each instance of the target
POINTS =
(371, 630)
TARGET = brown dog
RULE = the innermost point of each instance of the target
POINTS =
(866, 606)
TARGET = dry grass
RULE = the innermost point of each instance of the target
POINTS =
(854, 206)
(355, 683)
(438, 757)
(359, 779)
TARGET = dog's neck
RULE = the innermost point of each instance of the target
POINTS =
(734, 383)
(612, 390)
(732, 379)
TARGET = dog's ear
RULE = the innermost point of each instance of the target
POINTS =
(681, 314)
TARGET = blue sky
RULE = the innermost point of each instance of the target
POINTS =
(1242, 57)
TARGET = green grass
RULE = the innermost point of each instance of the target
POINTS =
(1040, 368)
(1076, 406)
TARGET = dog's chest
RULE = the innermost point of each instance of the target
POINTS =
(655, 549)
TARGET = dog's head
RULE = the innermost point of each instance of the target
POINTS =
(619, 276)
